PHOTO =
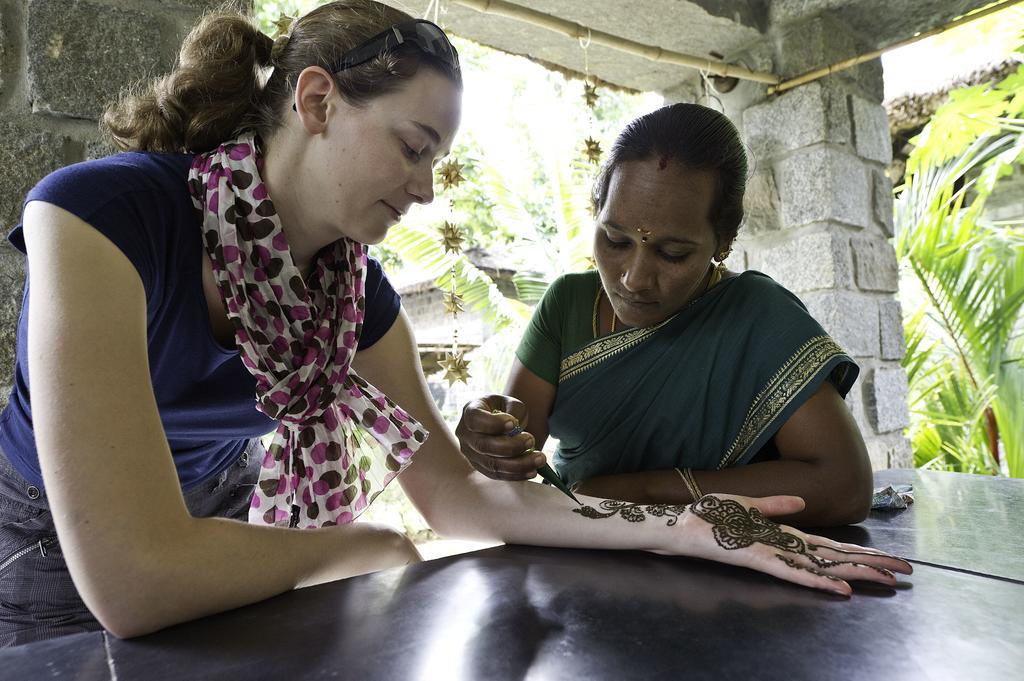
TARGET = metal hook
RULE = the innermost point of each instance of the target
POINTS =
(586, 55)
(709, 87)
(586, 44)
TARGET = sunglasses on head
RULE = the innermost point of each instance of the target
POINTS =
(426, 36)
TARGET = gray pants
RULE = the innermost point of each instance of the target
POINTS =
(38, 600)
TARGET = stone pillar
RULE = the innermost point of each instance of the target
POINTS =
(61, 62)
(820, 217)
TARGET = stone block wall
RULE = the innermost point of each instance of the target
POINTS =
(819, 216)
(61, 62)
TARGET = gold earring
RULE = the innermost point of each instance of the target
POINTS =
(720, 268)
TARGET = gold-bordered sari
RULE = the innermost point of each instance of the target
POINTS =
(707, 388)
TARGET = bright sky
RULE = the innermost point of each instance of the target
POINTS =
(932, 63)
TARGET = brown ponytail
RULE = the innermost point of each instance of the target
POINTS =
(216, 91)
(204, 99)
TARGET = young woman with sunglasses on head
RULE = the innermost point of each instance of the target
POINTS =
(224, 257)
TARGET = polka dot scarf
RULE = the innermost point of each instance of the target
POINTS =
(340, 440)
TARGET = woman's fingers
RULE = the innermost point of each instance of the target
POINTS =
(503, 404)
(826, 549)
(830, 575)
(521, 467)
(481, 416)
(494, 415)
(499, 446)
(791, 569)
(483, 433)
(845, 562)
(778, 505)
(850, 569)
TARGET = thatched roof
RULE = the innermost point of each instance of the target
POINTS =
(910, 113)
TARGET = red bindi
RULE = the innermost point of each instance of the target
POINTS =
(663, 163)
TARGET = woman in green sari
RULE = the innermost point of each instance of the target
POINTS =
(662, 374)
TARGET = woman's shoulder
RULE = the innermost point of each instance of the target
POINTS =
(574, 284)
(139, 201)
(568, 297)
(101, 178)
(135, 185)
(769, 311)
(758, 291)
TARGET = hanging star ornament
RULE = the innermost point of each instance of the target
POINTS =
(590, 94)
(455, 366)
(450, 174)
(454, 303)
(452, 237)
(593, 150)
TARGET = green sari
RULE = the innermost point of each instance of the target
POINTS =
(707, 388)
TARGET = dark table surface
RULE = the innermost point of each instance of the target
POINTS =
(515, 612)
(972, 523)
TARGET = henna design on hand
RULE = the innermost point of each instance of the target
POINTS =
(634, 513)
(826, 563)
(796, 566)
(733, 526)
(737, 527)
(815, 547)
(887, 573)
(822, 562)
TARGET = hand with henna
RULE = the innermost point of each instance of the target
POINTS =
(492, 440)
(735, 530)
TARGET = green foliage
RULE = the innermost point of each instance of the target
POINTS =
(267, 12)
(422, 245)
(963, 285)
(968, 114)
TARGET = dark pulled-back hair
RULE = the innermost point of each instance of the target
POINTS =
(697, 138)
(217, 90)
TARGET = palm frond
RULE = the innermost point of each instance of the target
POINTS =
(964, 394)
(422, 246)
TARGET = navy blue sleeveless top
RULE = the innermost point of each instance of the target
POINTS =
(205, 395)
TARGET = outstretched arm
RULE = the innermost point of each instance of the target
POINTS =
(110, 480)
(457, 501)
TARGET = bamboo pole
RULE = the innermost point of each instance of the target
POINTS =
(576, 30)
(874, 54)
(718, 68)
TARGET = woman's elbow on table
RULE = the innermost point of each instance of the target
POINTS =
(126, 601)
(859, 484)
(128, 625)
(860, 504)
(848, 504)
